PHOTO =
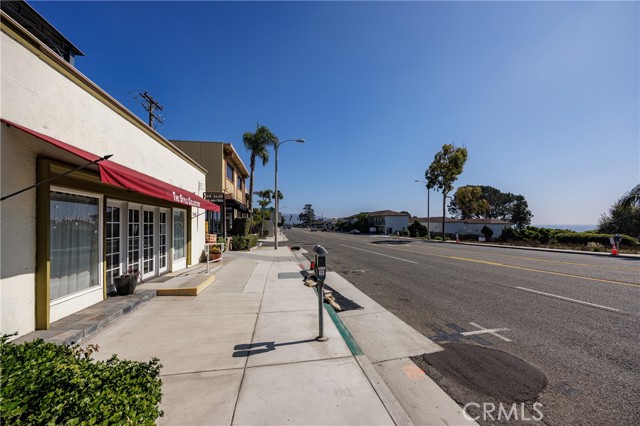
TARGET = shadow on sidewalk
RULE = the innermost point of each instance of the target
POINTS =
(246, 350)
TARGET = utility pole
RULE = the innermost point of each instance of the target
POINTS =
(151, 105)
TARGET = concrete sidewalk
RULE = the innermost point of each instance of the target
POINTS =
(242, 350)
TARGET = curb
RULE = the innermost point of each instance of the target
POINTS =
(391, 404)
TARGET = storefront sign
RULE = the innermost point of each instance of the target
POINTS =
(179, 198)
(214, 197)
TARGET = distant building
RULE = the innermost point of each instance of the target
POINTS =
(463, 227)
(225, 181)
(384, 221)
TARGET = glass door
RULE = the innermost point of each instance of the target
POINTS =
(163, 240)
(113, 248)
(148, 243)
(133, 240)
(179, 239)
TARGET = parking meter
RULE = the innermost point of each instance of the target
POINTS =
(320, 270)
(320, 257)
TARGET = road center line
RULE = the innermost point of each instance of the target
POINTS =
(503, 265)
(569, 299)
(379, 254)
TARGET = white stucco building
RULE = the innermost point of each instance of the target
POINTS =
(464, 227)
(63, 242)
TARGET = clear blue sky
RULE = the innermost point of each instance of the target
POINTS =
(544, 95)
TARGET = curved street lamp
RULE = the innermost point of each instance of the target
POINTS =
(428, 208)
(275, 221)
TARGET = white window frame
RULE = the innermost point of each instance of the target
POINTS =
(71, 303)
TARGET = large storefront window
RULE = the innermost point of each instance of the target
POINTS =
(74, 247)
(179, 234)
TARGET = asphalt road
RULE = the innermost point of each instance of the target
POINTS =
(574, 318)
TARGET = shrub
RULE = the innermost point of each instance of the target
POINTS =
(404, 233)
(241, 227)
(487, 232)
(417, 229)
(584, 238)
(245, 243)
(45, 383)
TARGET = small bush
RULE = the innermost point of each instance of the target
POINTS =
(487, 232)
(44, 383)
(241, 227)
(245, 243)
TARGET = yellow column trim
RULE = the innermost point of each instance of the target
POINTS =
(43, 267)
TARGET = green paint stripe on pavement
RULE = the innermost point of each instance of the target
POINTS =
(342, 328)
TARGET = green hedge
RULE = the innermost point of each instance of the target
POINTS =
(592, 237)
(47, 384)
(244, 243)
(562, 236)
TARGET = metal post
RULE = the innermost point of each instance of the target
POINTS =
(321, 336)
(428, 216)
(275, 219)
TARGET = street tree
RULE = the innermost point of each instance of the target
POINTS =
(257, 143)
(469, 203)
(623, 216)
(447, 165)
(500, 203)
(308, 215)
(521, 215)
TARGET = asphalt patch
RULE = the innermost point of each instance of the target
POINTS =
(392, 242)
(486, 371)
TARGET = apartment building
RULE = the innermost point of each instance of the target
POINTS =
(225, 181)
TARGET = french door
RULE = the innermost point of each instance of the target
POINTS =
(148, 243)
(163, 240)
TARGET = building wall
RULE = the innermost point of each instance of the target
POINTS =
(17, 247)
(209, 155)
(396, 223)
(476, 229)
(450, 227)
(41, 93)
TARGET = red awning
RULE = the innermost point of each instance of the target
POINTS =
(124, 177)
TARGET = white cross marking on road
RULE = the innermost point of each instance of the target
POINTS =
(492, 331)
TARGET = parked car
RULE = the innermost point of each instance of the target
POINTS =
(354, 231)
(313, 229)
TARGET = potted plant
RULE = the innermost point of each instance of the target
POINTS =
(214, 253)
(126, 284)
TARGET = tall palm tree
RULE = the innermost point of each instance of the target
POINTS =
(257, 144)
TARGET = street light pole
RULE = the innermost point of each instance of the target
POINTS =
(428, 209)
(276, 204)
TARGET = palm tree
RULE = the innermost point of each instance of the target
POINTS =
(257, 144)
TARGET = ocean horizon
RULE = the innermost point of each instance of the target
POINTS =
(576, 228)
